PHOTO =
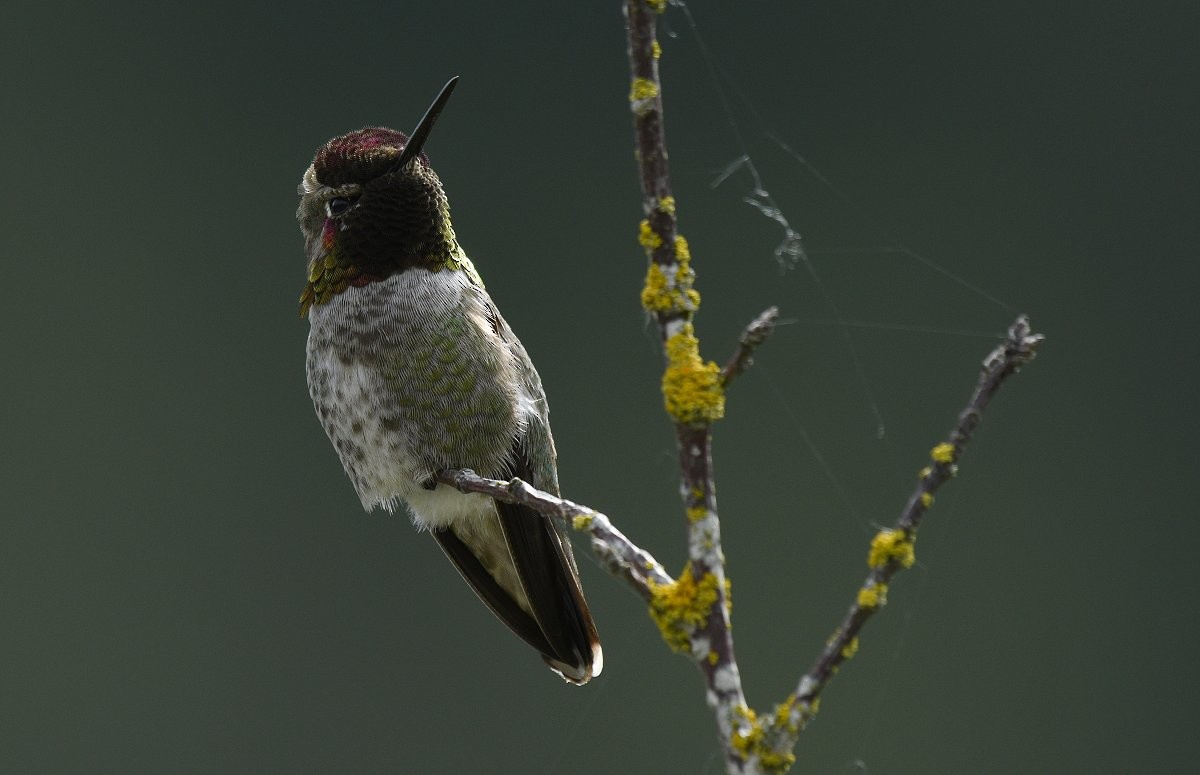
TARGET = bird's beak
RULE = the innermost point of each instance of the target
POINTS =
(421, 133)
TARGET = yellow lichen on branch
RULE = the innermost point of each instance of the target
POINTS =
(872, 596)
(942, 453)
(685, 277)
(691, 388)
(682, 606)
(749, 741)
(667, 291)
(890, 545)
(656, 295)
(642, 95)
(647, 238)
(783, 715)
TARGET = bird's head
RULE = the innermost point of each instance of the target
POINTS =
(372, 206)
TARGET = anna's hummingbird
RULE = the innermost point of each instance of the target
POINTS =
(412, 370)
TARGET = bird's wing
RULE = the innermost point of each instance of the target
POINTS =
(535, 589)
(542, 555)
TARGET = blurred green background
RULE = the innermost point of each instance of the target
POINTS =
(187, 581)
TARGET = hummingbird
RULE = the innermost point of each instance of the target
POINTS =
(412, 370)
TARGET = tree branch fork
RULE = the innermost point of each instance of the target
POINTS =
(681, 606)
(693, 610)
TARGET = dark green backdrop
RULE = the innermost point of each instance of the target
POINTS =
(188, 584)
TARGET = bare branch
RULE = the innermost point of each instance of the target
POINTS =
(755, 334)
(620, 556)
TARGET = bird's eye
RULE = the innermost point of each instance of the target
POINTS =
(337, 206)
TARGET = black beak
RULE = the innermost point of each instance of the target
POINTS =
(421, 133)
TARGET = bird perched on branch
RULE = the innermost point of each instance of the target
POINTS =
(412, 371)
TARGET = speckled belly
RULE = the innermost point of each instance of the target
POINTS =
(407, 378)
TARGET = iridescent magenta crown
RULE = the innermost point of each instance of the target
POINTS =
(360, 156)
